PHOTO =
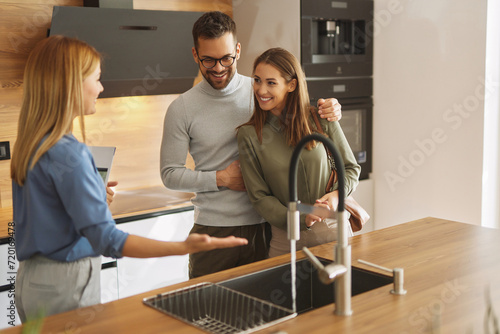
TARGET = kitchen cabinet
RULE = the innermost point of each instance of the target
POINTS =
(109, 279)
(140, 275)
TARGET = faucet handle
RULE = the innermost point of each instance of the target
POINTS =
(314, 260)
(397, 274)
(326, 274)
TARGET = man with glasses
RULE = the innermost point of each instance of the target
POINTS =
(203, 121)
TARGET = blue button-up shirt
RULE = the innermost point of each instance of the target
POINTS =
(61, 212)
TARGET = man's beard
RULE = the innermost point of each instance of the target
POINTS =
(219, 84)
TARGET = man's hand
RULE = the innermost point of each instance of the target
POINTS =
(330, 109)
(109, 192)
(231, 177)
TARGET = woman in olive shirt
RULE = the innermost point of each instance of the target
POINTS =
(280, 119)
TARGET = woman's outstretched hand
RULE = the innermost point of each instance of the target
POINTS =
(203, 242)
(140, 247)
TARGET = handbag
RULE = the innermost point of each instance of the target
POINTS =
(358, 215)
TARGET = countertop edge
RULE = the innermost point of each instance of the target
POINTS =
(7, 212)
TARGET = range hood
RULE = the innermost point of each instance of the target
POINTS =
(145, 52)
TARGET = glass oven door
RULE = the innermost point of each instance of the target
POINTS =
(356, 123)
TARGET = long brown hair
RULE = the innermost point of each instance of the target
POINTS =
(295, 116)
(52, 98)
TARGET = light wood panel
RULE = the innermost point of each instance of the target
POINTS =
(185, 5)
(5, 219)
(137, 129)
(10, 102)
(135, 126)
(22, 25)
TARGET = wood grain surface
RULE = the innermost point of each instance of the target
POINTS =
(132, 124)
(448, 266)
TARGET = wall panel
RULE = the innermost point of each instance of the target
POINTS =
(132, 124)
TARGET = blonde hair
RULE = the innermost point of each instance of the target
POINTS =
(52, 98)
(297, 110)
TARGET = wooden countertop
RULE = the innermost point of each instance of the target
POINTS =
(129, 205)
(448, 266)
(142, 201)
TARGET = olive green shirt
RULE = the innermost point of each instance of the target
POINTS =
(265, 167)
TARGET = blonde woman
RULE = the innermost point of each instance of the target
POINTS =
(282, 116)
(62, 221)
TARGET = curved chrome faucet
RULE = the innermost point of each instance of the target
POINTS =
(342, 248)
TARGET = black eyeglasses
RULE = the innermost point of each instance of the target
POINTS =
(225, 61)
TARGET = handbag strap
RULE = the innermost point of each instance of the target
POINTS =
(319, 128)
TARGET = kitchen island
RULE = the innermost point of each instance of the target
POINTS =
(450, 268)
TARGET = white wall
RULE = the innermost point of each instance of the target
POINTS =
(429, 101)
(429, 70)
(264, 24)
(491, 177)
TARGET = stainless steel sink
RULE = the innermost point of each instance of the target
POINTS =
(274, 285)
(258, 300)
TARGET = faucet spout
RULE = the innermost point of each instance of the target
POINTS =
(342, 248)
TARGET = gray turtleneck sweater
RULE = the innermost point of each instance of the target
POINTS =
(203, 121)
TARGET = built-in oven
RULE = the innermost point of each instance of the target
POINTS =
(356, 122)
(337, 57)
(354, 94)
